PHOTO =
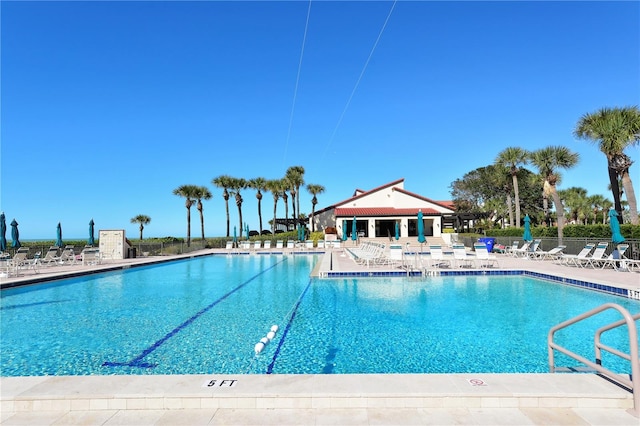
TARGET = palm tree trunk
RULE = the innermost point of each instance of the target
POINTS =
(557, 202)
(615, 190)
(141, 228)
(201, 221)
(188, 226)
(275, 207)
(226, 203)
(260, 215)
(631, 196)
(510, 208)
(517, 197)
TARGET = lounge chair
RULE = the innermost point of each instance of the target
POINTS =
(90, 256)
(229, 245)
(577, 259)
(552, 254)
(320, 244)
(20, 258)
(291, 244)
(616, 259)
(483, 258)
(257, 245)
(598, 255)
(309, 244)
(522, 251)
(68, 255)
(279, 244)
(461, 257)
(51, 256)
(437, 257)
(396, 255)
(533, 249)
(267, 245)
(514, 246)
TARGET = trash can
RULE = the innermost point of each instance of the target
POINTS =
(489, 242)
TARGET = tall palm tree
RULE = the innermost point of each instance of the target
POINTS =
(513, 158)
(597, 203)
(143, 220)
(295, 176)
(548, 160)
(575, 199)
(499, 178)
(224, 182)
(259, 184)
(189, 193)
(202, 193)
(237, 185)
(275, 186)
(314, 189)
(284, 183)
(613, 130)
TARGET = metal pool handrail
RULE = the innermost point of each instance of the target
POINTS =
(634, 383)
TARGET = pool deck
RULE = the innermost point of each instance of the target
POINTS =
(367, 399)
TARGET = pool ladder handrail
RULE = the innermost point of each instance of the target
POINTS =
(634, 383)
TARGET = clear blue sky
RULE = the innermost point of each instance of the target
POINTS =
(107, 107)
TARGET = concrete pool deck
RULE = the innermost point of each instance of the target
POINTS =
(499, 399)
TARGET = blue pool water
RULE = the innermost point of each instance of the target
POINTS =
(205, 315)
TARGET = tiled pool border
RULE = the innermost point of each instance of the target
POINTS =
(615, 291)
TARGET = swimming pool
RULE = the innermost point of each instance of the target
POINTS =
(205, 315)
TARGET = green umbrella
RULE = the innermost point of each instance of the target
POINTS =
(421, 238)
(354, 230)
(3, 232)
(614, 224)
(235, 235)
(527, 229)
(15, 235)
(59, 236)
(91, 240)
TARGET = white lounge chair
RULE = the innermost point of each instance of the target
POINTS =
(534, 248)
(51, 256)
(461, 258)
(229, 245)
(510, 250)
(309, 244)
(291, 244)
(522, 251)
(484, 259)
(616, 259)
(320, 244)
(577, 259)
(597, 256)
(267, 244)
(396, 255)
(279, 244)
(257, 245)
(437, 257)
(552, 254)
(68, 256)
(90, 256)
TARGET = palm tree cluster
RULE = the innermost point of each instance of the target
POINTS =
(613, 129)
(289, 185)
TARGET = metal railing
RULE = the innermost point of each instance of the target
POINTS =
(634, 382)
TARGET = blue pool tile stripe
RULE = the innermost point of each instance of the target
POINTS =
(138, 361)
(616, 291)
(286, 329)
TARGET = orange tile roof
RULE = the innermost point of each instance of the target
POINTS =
(382, 211)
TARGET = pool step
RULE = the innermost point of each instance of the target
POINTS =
(82, 393)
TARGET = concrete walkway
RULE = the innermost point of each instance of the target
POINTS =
(386, 399)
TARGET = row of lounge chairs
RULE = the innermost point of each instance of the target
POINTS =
(21, 261)
(280, 244)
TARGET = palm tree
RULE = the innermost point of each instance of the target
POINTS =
(314, 189)
(259, 184)
(295, 176)
(575, 199)
(275, 187)
(189, 193)
(548, 160)
(224, 182)
(202, 193)
(597, 203)
(238, 184)
(513, 158)
(142, 220)
(284, 184)
(614, 129)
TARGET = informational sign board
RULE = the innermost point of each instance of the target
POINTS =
(113, 243)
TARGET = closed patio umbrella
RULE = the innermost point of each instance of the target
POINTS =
(15, 234)
(344, 230)
(3, 232)
(397, 231)
(421, 238)
(614, 224)
(59, 236)
(235, 236)
(354, 230)
(527, 229)
(91, 240)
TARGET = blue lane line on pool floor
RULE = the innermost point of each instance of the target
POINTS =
(137, 361)
(286, 330)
